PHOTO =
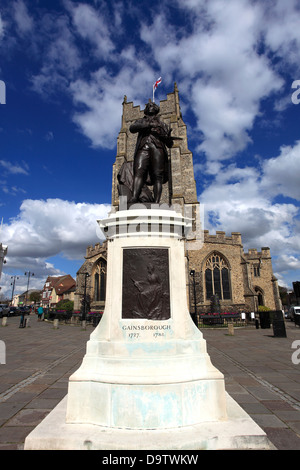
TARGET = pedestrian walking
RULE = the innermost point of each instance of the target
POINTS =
(22, 319)
(40, 313)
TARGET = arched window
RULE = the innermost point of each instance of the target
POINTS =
(260, 296)
(217, 277)
(100, 281)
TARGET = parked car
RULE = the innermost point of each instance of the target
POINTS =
(3, 309)
(13, 311)
(293, 311)
(25, 310)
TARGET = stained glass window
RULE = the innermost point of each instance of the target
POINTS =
(100, 281)
(217, 277)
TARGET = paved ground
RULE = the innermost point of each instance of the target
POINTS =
(259, 374)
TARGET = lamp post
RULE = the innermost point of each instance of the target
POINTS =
(13, 288)
(86, 275)
(3, 253)
(194, 315)
(28, 273)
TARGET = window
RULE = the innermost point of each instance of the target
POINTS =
(260, 297)
(217, 278)
(256, 271)
(100, 281)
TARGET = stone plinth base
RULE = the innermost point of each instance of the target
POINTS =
(146, 380)
(238, 432)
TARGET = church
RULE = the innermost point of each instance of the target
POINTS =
(216, 264)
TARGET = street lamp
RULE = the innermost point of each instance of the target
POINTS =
(86, 275)
(194, 315)
(13, 288)
(28, 273)
(3, 253)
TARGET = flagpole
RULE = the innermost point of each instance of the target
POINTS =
(158, 81)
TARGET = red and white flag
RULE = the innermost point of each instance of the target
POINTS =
(158, 81)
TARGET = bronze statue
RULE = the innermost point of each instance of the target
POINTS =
(150, 164)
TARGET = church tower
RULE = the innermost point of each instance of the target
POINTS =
(181, 187)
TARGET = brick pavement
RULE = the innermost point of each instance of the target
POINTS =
(258, 369)
(261, 377)
(39, 361)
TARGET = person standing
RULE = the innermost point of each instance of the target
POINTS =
(40, 313)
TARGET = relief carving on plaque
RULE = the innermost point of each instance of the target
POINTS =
(146, 292)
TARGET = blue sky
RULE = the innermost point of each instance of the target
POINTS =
(66, 67)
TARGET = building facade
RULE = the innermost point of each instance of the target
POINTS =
(220, 266)
(57, 288)
(242, 280)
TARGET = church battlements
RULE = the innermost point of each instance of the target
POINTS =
(254, 254)
(169, 108)
(221, 237)
(96, 250)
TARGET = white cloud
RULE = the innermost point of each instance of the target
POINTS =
(102, 97)
(61, 58)
(222, 72)
(1, 27)
(49, 136)
(222, 60)
(14, 169)
(48, 228)
(39, 270)
(24, 21)
(97, 95)
(281, 174)
(220, 69)
(288, 262)
(91, 25)
(12, 190)
(282, 34)
(240, 200)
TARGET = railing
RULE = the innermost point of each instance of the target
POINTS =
(222, 319)
(74, 317)
(259, 320)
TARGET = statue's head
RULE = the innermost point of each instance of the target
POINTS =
(151, 109)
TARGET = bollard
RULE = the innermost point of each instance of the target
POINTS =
(55, 324)
(83, 324)
(230, 329)
(4, 321)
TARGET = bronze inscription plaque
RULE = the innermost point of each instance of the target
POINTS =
(146, 290)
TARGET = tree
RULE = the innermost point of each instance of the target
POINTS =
(263, 308)
(35, 297)
(67, 305)
(283, 292)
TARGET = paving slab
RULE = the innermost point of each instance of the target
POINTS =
(258, 370)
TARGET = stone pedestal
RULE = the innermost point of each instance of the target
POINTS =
(146, 380)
